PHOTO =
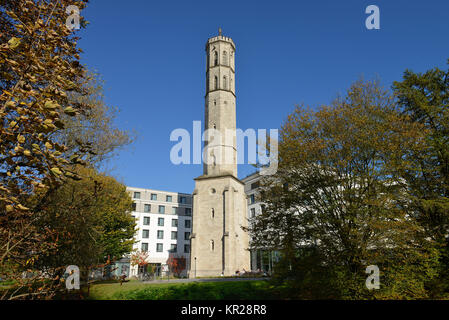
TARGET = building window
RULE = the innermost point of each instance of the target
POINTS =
(146, 207)
(153, 196)
(212, 214)
(225, 83)
(186, 235)
(186, 248)
(212, 245)
(253, 212)
(168, 198)
(161, 209)
(225, 58)
(182, 199)
(188, 211)
(174, 223)
(255, 185)
(145, 234)
(187, 223)
(136, 195)
(159, 247)
(173, 248)
(215, 58)
(174, 235)
(146, 221)
(252, 199)
(144, 247)
(160, 234)
(174, 210)
(160, 222)
(134, 206)
(216, 83)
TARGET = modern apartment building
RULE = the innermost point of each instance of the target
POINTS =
(164, 224)
(260, 259)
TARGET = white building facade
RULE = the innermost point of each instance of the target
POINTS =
(262, 260)
(164, 224)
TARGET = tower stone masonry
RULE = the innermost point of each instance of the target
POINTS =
(219, 246)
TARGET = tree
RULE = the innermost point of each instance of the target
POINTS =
(176, 264)
(39, 61)
(94, 128)
(424, 97)
(91, 221)
(337, 201)
(140, 259)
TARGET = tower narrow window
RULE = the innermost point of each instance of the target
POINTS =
(212, 245)
(212, 214)
(215, 58)
(225, 83)
(225, 58)
(216, 83)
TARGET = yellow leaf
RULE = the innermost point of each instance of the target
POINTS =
(10, 104)
(13, 43)
(56, 171)
(51, 105)
(22, 207)
(70, 111)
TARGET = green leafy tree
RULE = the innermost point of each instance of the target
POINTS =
(91, 221)
(424, 97)
(337, 202)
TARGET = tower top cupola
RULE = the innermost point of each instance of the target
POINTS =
(220, 37)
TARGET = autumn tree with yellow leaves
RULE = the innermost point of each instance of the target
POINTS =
(39, 60)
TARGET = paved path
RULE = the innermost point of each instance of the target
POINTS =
(204, 280)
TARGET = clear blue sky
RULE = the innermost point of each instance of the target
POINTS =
(151, 55)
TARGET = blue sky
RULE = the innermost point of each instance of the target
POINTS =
(151, 56)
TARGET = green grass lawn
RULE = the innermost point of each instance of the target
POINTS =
(136, 290)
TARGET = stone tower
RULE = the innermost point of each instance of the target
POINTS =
(218, 243)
